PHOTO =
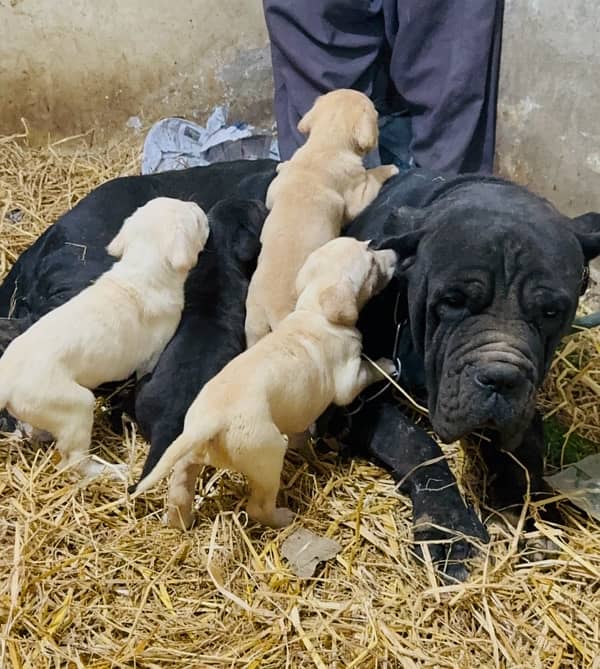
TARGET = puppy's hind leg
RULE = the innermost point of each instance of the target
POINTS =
(262, 467)
(73, 420)
(180, 512)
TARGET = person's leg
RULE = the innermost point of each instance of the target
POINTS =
(316, 47)
(444, 63)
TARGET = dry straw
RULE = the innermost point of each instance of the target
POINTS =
(90, 584)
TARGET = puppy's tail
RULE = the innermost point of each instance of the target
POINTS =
(190, 447)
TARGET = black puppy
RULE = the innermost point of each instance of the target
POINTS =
(211, 332)
(488, 281)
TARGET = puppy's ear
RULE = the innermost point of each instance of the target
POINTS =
(117, 246)
(365, 133)
(251, 219)
(305, 123)
(182, 252)
(338, 303)
(587, 229)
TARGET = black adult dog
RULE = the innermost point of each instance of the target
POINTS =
(488, 282)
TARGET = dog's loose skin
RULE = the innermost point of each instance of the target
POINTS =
(488, 280)
(281, 385)
(323, 186)
(117, 326)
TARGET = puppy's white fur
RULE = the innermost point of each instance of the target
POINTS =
(281, 385)
(322, 186)
(117, 326)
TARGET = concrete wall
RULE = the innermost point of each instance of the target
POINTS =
(549, 117)
(68, 65)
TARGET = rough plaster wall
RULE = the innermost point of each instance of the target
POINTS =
(69, 65)
(549, 120)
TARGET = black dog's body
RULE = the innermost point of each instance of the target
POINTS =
(71, 253)
(211, 332)
(488, 281)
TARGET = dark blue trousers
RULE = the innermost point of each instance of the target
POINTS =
(437, 60)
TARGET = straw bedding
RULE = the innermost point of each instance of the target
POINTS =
(87, 584)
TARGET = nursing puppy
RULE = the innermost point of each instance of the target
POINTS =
(115, 327)
(281, 385)
(211, 331)
(323, 186)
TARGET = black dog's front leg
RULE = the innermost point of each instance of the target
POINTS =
(441, 519)
(512, 477)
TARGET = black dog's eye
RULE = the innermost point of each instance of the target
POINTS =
(455, 301)
(451, 306)
(552, 316)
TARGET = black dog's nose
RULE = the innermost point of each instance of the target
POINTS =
(498, 377)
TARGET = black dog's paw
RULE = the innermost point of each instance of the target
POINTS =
(451, 536)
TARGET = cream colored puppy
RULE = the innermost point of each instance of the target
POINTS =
(117, 326)
(281, 385)
(323, 186)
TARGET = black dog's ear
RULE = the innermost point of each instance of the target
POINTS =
(405, 246)
(237, 225)
(251, 219)
(587, 229)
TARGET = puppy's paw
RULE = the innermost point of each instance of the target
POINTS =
(390, 171)
(8, 423)
(282, 517)
(386, 365)
(93, 467)
(179, 519)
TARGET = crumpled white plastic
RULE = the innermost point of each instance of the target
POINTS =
(580, 483)
(175, 143)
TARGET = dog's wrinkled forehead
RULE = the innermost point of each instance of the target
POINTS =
(505, 244)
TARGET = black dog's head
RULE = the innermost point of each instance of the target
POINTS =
(493, 276)
(235, 227)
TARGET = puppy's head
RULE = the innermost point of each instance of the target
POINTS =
(345, 117)
(174, 229)
(236, 225)
(339, 278)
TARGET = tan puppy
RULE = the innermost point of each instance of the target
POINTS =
(117, 326)
(322, 186)
(281, 385)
